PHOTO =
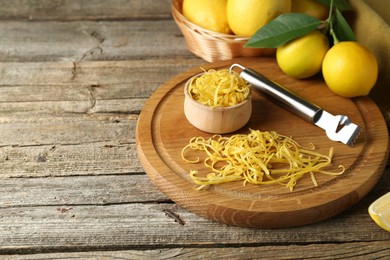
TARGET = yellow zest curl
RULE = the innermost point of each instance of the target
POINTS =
(257, 158)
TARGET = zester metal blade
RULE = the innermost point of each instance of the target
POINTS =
(338, 128)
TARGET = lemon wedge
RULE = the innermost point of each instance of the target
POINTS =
(379, 211)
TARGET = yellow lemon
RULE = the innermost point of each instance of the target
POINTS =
(350, 69)
(210, 15)
(245, 17)
(311, 8)
(379, 211)
(302, 57)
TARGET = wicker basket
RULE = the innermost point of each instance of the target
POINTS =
(213, 46)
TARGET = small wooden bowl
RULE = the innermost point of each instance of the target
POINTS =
(216, 120)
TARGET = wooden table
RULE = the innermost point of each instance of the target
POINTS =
(74, 76)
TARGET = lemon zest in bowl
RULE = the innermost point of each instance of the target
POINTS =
(219, 88)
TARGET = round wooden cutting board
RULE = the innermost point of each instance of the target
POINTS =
(163, 131)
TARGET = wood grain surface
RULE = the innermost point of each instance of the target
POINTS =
(74, 76)
(163, 131)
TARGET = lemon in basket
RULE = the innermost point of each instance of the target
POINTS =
(310, 7)
(210, 15)
(379, 211)
(245, 17)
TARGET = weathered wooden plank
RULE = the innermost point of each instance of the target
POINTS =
(78, 190)
(62, 129)
(84, 10)
(100, 158)
(124, 40)
(353, 250)
(67, 144)
(88, 105)
(121, 226)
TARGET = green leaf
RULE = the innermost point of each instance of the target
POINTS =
(342, 5)
(341, 28)
(282, 29)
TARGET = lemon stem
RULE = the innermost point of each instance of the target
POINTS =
(330, 21)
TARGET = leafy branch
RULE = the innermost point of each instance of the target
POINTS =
(287, 27)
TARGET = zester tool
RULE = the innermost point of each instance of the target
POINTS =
(337, 128)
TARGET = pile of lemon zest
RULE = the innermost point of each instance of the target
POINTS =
(259, 158)
(219, 88)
